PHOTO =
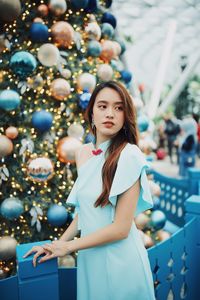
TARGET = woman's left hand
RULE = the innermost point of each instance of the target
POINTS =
(55, 249)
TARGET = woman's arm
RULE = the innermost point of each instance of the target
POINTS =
(71, 231)
(119, 229)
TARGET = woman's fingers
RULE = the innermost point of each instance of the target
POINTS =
(46, 257)
(47, 247)
(29, 252)
(35, 257)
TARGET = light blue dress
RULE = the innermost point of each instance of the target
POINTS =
(118, 270)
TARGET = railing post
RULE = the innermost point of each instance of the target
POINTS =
(40, 282)
(194, 180)
(192, 245)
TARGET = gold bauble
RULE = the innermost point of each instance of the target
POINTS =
(108, 51)
(60, 89)
(43, 10)
(66, 261)
(141, 221)
(12, 132)
(7, 247)
(66, 149)
(6, 146)
(163, 235)
(62, 34)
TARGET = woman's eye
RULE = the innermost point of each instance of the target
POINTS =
(102, 106)
(119, 108)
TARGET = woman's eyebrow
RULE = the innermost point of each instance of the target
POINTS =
(104, 101)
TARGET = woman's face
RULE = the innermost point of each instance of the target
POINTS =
(108, 113)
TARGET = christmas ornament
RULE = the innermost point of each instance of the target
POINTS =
(60, 89)
(90, 138)
(12, 132)
(11, 208)
(154, 188)
(93, 31)
(107, 30)
(9, 100)
(141, 221)
(84, 100)
(40, 169)
(9, 10)
(35, 213)
(23, 63)
(147, 240)
(108, 51)
(62, 34)
(38, 20)
(163, 235)
(48, 55)
(79, 3)
(6, 146)
(43, 10)
(4, 174)
(42, 120)
(86, 81)
(126, 76)
(143, 122)
(76, 131)
(58, 7)
(117, 49)
(105, 72)
(94, 48)
(7, 247)
(39, 32)
(158, 219)
(122, 44)
(92, 6)
(66, 149)
(57, 215)
(66, 261)
(109, 18)
(66, 73)
(36, 82)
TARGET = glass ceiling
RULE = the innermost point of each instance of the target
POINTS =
(147, 22)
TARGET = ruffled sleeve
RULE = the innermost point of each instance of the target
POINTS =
(131, 166)
(73, 200)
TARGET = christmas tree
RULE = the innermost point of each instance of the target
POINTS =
(53, 53)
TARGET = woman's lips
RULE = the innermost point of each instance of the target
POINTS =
(108, 124)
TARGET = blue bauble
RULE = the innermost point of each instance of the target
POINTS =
(156, 203)
(90, 138)
(158, 219)
(107, 30)
(11, 208)
(126, 76)
(94, 48)
(80, 3)
(39, 32)
(9, 100)
(108, 3)
(122, 44)
(42, 120)
(109, 18)
(84, 100)
(23, 63)
(57, 215)
(143, 123)
(92, 6)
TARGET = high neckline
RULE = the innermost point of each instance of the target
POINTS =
(104, 145)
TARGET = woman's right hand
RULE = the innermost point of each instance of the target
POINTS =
(39, 251)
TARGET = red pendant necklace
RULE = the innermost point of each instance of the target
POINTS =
(97, 152)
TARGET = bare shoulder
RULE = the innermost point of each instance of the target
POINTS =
(83, 153)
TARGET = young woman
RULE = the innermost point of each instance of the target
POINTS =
(110, 190)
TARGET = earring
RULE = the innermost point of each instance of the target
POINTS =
(125, 131)
(92, 125)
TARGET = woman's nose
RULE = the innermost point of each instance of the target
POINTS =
(110, 113)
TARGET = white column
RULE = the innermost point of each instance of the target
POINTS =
(164, 62)
(179, 85)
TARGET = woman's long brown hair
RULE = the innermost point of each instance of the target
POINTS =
(128, 134)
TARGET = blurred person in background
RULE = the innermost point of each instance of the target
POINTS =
(187, 145)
